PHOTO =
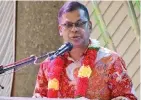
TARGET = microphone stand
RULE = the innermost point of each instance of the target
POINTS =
(32, 59)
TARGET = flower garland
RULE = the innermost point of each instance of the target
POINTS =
(83, 74)
(56, 67)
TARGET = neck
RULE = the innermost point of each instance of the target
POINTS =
(76, 53)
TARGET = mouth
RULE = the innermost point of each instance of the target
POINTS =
(75, 37)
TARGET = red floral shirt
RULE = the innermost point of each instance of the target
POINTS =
(109, 78)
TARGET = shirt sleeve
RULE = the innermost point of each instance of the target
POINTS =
(120, 83)
(41, 81)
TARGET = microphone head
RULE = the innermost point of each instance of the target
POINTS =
(69, 45)
(64, 48)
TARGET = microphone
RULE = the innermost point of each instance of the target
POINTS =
(64, 48)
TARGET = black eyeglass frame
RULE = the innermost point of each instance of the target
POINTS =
(79, 24)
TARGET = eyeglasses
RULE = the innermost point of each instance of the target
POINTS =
(79, 24)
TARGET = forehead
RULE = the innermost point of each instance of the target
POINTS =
(73, 16)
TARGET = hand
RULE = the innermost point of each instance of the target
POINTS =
(120, 98)
(37, 95)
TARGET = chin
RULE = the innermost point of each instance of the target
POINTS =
(78, 45)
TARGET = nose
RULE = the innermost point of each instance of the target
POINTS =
(74, 28)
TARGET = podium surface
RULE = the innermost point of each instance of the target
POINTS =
(29, 98)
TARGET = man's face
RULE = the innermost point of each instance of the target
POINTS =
(75, 28)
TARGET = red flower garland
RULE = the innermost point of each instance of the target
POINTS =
(56, 67)
(82, 82)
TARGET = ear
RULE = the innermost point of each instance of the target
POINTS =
(90, 26)
(60, 30)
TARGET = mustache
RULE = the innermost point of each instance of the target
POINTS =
(75, 35)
